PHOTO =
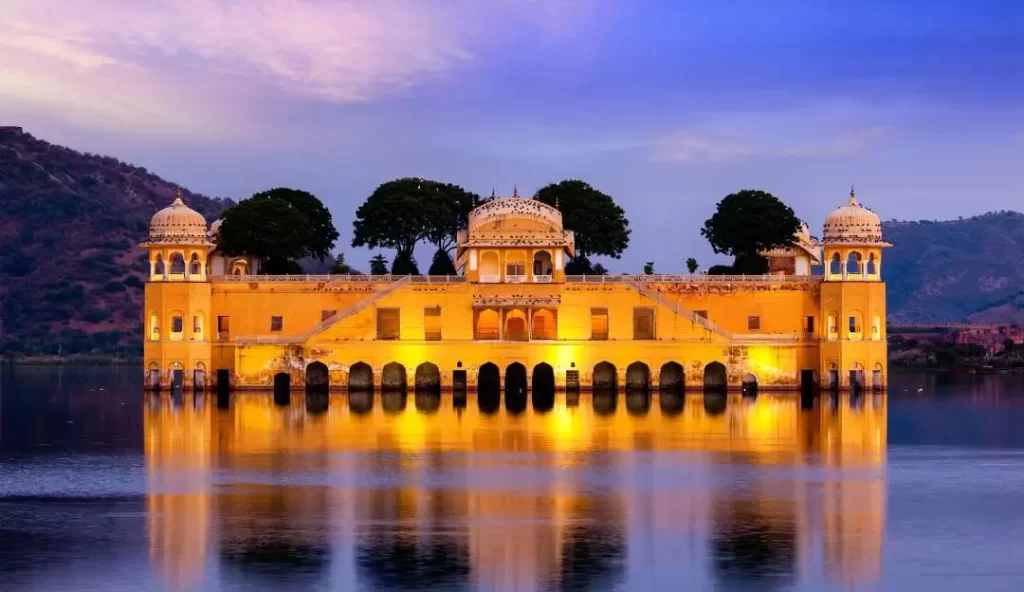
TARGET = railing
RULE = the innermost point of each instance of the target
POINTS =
(690, 279)
(365, 279)
(516, 336)
(486, 335)
(544, 335)
(676, 307)
(490, 279)
(542, 278)
(515, 279)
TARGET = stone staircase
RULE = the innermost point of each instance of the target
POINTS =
(679, 309)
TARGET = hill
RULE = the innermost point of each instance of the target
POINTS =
(71, 272)
(968, 269)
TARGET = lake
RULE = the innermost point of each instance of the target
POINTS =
(105, 487)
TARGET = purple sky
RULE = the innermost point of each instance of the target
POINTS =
(667, 106)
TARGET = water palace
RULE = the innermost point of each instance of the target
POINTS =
(513, 319)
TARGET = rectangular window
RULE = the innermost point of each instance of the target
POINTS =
(388, 323)
(599, 324)
(197, 324)
(177, 325)
(853, 325)
(432, 323)
(808, 324)
(276, 323)
(753, 323)
(223, 325)
(643, 322)
(326, 314)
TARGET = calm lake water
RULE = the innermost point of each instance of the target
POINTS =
(105, 487)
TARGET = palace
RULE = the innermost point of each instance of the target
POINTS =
(514, 319)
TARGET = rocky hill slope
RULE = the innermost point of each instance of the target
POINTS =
(71, 272)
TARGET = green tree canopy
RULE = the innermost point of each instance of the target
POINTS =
(317, 215)
(340, 267)
(692, 265)
(400, 213)
(404, 264)
(442, 264)
(649, 268)
(269, 229)
(600, 225)
(747, 223)
(378, 265)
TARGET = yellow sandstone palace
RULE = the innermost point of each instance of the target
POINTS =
(514, 319)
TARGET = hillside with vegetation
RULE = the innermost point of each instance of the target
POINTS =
(71, 272)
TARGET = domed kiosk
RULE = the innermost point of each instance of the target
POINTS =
(852, 241)
(178, 243)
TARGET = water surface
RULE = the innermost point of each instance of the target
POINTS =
(105, 487)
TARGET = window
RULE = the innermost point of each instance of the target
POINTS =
(753, 323)
(643, 323)
(432, 323)
(276, 323)
(808, 324)
(701, 313)
(388, 323)
(177, 324)
(197, 326)
(853, 325)
(326, 314)
(223, 325)
(599, 324)
(154, 327)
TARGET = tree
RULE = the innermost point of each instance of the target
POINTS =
(600, 225)
(747, 223)
(318, 218)
(442, 264)
(400, 213)
(340, 267)
(649, 268)
(691, 264)
(404, 264)
(599, 270)
(378, 265)
(269, 229)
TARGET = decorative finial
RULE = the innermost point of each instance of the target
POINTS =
(177, 199)
(515, 191)
(853, 198)
(493, 194)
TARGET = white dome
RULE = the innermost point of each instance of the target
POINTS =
(852, 223)
(177, 223)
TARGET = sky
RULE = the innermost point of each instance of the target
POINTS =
(667, 106)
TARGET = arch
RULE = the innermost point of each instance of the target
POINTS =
(360, 377)
(516, 325)
(153, 376)
(832, 325)
(856, 376)
(282, 385)
(543, 382)
(638, 376)
(749, 385)
(877, 377)
(199, 376)
(515, 265)
(154, 326)
(515, 379)
(239, 267)
(715, 377)
(318, 377)
(605, 377)
(543, 324)
(490, 266)
(177, 263)
(428, 377)
(853, 263)
(542, 263)
(835, 265)
(195, 267)
(855, 325)
(393, 377)
(488, 324)
(158, 266)
(177, 374)
(672, 378)
(488, 377)
(198, 325)
(871, 268)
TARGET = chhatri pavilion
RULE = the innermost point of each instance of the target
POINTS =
(513, 319)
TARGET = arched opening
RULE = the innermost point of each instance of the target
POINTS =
(282, 387)
(393, 377)
(835, 267)
(855, 326)
(715, 377)
(853, 263)
(153, 376)
(154, 327)
(239, 267)
(605, 378)
(177, 264)
(515, 387)
(856, 377)
(749, 385)
(833, 376)
(360, 377)
(199, 376)
(876, 378)
(428, 377)
(872, 265)
(543, 387)
(198, 326)
(542, 267)
(515, 325)
(317, 377)
(488, 385)
(515, 266)
(488, 325)
(490, 267)
(832, 326)
(177, 372)
(543, 325)
(159, 269)
(194, 266)
(671, 379)
(638, 377)
(876, 328)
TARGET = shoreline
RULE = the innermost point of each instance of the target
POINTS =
(75, 360)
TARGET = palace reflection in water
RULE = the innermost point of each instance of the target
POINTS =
(420, 491)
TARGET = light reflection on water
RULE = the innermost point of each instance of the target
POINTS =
(416, 492)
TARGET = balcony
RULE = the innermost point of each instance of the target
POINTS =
(515, 279)
(490, 279)
(516, 336)
(543, 334)
(542, 279)
(486, 335)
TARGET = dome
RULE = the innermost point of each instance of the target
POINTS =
(853, 223)
(177, 223)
